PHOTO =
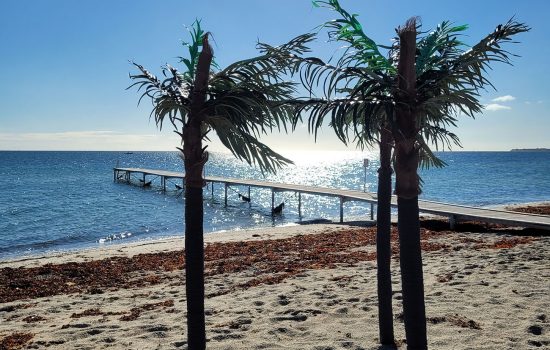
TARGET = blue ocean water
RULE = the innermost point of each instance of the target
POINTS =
(68, 200)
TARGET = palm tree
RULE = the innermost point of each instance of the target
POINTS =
(437, 77)
(239, 103)
(364, 80)
(407, 189)
(411, 97)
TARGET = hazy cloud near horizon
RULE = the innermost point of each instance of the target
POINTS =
(84, 140)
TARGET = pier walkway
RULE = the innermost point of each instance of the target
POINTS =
(454, 212)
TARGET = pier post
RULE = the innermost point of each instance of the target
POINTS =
(341, 209)
(212, 185)
(115, 173)
(250, 200)
(300, 205)
(452, 221)
(372, 211)
(272, 200)
(226, 185)
(163, 183)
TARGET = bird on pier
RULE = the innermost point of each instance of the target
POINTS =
(278, 209)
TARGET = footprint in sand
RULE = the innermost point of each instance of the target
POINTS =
(283, 300)
(535, 330)
(538, 343)
(94, 331)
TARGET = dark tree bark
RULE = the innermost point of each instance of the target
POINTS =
(407, 190)
(414, 311)
(383, 245)
(194, 268)
(195, 158)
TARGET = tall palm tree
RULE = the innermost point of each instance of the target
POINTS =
(364, 81)
(437, 76)
(379, 99)
(407, 189)
(239, 103)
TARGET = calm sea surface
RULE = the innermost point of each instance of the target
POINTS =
(67, 200)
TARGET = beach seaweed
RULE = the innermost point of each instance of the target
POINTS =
(264, 261)
(15, 341)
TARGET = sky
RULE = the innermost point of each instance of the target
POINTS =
(64, 65)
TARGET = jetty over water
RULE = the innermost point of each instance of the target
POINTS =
(454, 212)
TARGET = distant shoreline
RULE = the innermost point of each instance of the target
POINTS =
(530, 150)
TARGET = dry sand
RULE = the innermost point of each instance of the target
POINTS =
(483, 291)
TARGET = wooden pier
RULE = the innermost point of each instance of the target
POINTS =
(454, 212)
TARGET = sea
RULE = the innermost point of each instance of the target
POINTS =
(59, 201)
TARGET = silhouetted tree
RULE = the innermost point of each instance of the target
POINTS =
(239, 103)
(383, 100)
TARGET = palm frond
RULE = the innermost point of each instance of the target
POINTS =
(193, 47)
(362, 50)
(438, 47)
(170, 97)
(244, 146)
(427, 158)
(243, 101)
(446, 67)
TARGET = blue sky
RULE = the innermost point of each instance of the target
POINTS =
(64, 65)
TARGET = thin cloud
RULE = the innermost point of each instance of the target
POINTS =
(496, 107)
(505, 98)
(85, 140)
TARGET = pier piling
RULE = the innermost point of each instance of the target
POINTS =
(454, 212)
(225, 187)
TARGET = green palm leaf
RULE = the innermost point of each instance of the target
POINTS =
(245, 100)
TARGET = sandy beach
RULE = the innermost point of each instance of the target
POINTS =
(296, 287)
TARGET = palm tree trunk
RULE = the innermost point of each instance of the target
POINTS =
(194, 159)
(194, 268)
(407, 190)
(410, 259)
(383, 245)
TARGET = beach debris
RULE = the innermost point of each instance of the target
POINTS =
(88, 312)
(269, 261)
(34, 318)
(504, 243)
(444, 278)
(454, 319)
(15, 340)
(540, 209)
(136, 311)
